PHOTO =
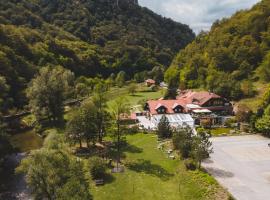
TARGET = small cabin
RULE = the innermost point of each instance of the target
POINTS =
(150, 82)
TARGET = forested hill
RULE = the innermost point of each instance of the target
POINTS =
(229, 58)
(89, 37)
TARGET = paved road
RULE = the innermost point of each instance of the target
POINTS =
(242, 165)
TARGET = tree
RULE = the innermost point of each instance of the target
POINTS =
(182, 141)
(262, 120)
(4, 89)
(247, 88)
(266, 98)
(120, 107)
(140, 76)
(164, 128)
(243, 113)
(5, 146)
(264, 69)
(120, 79)
(201, 146)
(81, 90)
(75, 130)
(263, 125)
(157, 74)
(55, 141)
(96, 167)
(172, 76)
(102, 116)
(52, 174)
(132, 88)
(48, 91)
(82, 124)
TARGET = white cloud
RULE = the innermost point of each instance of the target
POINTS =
(198, 14)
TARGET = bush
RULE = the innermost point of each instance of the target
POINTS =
(97, 167)
(133, 129)
(230, 122)
(190, 164)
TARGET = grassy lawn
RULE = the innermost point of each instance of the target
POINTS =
(149, 174)
(143, 93)
(220, 131)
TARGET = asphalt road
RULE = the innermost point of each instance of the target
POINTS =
(242, 165)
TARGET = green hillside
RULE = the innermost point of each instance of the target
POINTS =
(86, 36)
(231, 56)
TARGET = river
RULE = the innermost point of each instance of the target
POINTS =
(16, 188)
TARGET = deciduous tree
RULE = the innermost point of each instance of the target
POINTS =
(201, 146)
(102, 116)
(82, 124)
(119, 109)
(48, 91)
(182, 141)
(52, 174)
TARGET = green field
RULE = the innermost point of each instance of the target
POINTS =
(143, 93)
(220, 131)
(150, 175)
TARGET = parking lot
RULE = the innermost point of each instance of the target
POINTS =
(242, 165)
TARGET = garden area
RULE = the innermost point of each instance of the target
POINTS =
(221, 131)
(150, 174)
(148, 171)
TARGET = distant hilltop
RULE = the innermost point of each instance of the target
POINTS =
(133, 1)
(129, 1)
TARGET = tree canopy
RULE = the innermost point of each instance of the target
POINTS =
(236, 49)
(88, 37)
(48, 91)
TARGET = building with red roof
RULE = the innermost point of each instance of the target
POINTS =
(201, 105)
(206, 100)
(150, 82)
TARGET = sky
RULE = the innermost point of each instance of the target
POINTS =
(198, 14)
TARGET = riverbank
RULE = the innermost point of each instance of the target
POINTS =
(15, 185)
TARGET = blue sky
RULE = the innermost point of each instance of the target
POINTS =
(198, 14)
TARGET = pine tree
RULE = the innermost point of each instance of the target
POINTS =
(164, 128)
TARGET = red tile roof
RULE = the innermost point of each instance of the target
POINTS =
(185, 98)
(199, 98)
(169, 104)
(151, 81)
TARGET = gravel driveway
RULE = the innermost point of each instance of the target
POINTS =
(242, 165)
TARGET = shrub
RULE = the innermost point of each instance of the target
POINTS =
(133, 129)
(190, 164)
(230, 122)
(97, 167)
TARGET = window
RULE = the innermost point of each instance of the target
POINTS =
(177, 110)
(161, 110)
(218, 102)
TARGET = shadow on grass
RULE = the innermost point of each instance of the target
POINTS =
(132, 149)
(108, 178)
(135, 95)
(147, 167)
(125, 148)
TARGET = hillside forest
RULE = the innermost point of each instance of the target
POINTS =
(98, 38)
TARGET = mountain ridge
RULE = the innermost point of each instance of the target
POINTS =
(228, 58)
(88, 37)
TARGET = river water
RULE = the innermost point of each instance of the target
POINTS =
(16, 188)
(15, 183)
